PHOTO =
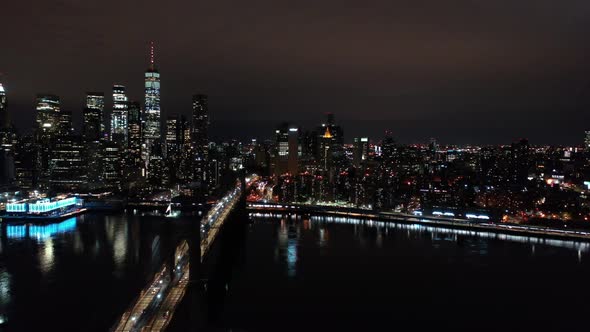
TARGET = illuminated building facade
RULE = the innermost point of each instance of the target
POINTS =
(91, 127)
(48, 119)
(119, 115)
(67, 166)
(360, 150)
(151, 120)
(44, 206)
(172, 139)
(330, 145)
(25, 163)
(134, 165)
(95, 101)
(3, 107)
(177, 135)
(287, 150)
(7, 142)
(47, 116)
(134, 130)
(200, 138)
(112, 164)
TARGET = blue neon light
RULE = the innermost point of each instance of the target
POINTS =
(43, 232)
(44, 206)
(16, 207)
(16, 231)
(41, 206)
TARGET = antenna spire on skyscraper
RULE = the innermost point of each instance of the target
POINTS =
(152, 63)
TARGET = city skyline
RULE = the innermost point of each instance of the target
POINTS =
(463, 73)
(196, 166)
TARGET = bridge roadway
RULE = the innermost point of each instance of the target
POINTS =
(154, 308)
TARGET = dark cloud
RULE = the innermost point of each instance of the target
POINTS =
(463, 71)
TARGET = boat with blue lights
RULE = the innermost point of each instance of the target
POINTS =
(42, 211)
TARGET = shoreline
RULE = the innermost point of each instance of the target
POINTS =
(399, 217)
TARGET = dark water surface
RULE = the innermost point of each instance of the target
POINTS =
(331, 274)
(296, 273)
(80, 274)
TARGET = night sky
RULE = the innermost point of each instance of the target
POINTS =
(464, 71)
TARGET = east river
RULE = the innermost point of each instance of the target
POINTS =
(277, 273)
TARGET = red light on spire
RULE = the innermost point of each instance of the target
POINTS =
(152, 62)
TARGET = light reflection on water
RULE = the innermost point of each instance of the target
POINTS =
(40, 232)
(286, 250)
(440, 233)
(5, 295)
(88, 266)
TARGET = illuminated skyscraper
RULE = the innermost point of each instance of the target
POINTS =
(288, 149)
(91, 128)
(47, 117)
(330, 143)
(172, 137)
(7, 142)
(587, 140)
(119, 115)
(134, 166)
(65, 126)
(200, 139)
(134, 129)
(3, 112)
(95, 100)
(360, 150)
(151, 119)
(112, 165)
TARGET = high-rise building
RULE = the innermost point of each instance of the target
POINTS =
(95, 101)
(3, 111)
(91, 127)
(587, 140)
(134, 129)
(67, 167)
(49, 123)
(288, 150)
(388, 148)
(134, 164)
(519, 162)
(151, 120)
(25, 163)
(330, 144)
(47, 117)
(200, 138)
(119, 116)
(360, 150)
(7, 142)
(332, 133)
(65, 125)
(177, 135)
(112, 164)
(172, 136)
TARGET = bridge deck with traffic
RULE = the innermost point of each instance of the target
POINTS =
(155, 306)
